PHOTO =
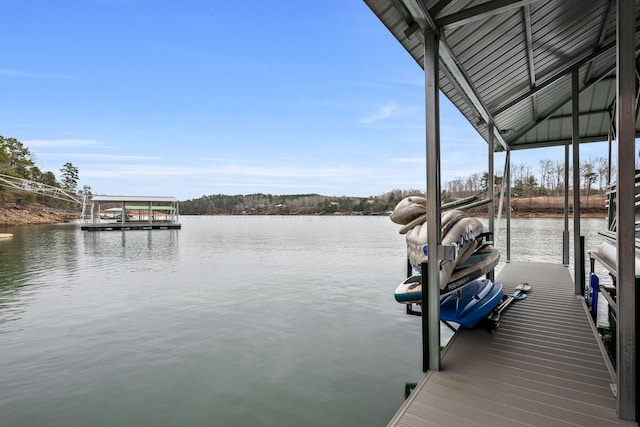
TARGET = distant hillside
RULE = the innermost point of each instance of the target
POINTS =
(315, 204)
(294, 204)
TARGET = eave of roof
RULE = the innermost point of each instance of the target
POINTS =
(510, 62)
(145, 199)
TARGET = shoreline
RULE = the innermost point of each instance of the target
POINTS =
(18, 216)
(22, 215)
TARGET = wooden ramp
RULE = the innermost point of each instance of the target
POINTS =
(542, 367)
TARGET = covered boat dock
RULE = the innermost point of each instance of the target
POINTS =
(132, 213)
(543, 366)
(529, 74)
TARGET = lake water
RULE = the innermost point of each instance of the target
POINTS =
(231, 321)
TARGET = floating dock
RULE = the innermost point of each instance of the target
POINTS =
(543, 366)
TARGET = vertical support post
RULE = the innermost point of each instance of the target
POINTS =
(150, 215)
(491, 188)
(575, 140)
(431, 310)
(565, 233)
(610, 143)
(627, 326)
(503, 190)
(409, 272)
(582, 270)
(611, 208)
(508, 177)
(424, 283)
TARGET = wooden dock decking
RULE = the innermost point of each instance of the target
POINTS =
(542, 367)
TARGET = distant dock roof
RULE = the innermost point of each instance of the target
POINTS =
(133, 199)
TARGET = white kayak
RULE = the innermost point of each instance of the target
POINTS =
(481, 262)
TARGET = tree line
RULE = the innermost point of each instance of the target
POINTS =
(16, 160)
(295, 204)
(546, 181)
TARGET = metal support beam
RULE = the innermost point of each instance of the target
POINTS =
(606, 18)
(431, 321)
(625, 271)
(526, 13)
(503, 190)
(491, 188)
(508, 177)
(564, 72)
(490, 183)
(565, 233)
(561, 103)
(577, 255)
(482, 11)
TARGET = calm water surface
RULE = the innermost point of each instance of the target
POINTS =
(231, 321)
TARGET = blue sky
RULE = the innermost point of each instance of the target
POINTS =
(190, 98)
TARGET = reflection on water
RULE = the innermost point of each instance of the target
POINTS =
(140, 248)
(230, 321)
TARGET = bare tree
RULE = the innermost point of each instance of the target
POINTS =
(546, 170)
(559, 175)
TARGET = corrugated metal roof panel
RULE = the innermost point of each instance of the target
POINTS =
(491, 53)
(117, 199)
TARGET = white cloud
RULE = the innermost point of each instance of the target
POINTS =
(99, 157)
(413, 160)
(382, 112)
(6, 72)
(146, 170)
(57, 143)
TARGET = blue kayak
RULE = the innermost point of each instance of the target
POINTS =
(472, 303)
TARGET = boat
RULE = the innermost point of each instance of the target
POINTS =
(607, 252)
(481, 262)
(472, 303)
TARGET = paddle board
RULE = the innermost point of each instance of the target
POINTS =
(481, 262)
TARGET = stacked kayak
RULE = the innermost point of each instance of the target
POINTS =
(466, 297)
(481, 262)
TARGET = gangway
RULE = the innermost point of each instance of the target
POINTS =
(28, 186)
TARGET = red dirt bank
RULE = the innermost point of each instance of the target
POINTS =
(29, 215)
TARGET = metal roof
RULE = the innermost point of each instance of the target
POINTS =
(117, 199)
(510, 62)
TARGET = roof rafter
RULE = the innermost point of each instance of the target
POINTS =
(482, 11)
(438, 7)
(526, 12)
(558, 106)
(606, 17)
(577, 62)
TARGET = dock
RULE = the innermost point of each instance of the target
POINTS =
(543, 366)
(108, 213)
(115, 226)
